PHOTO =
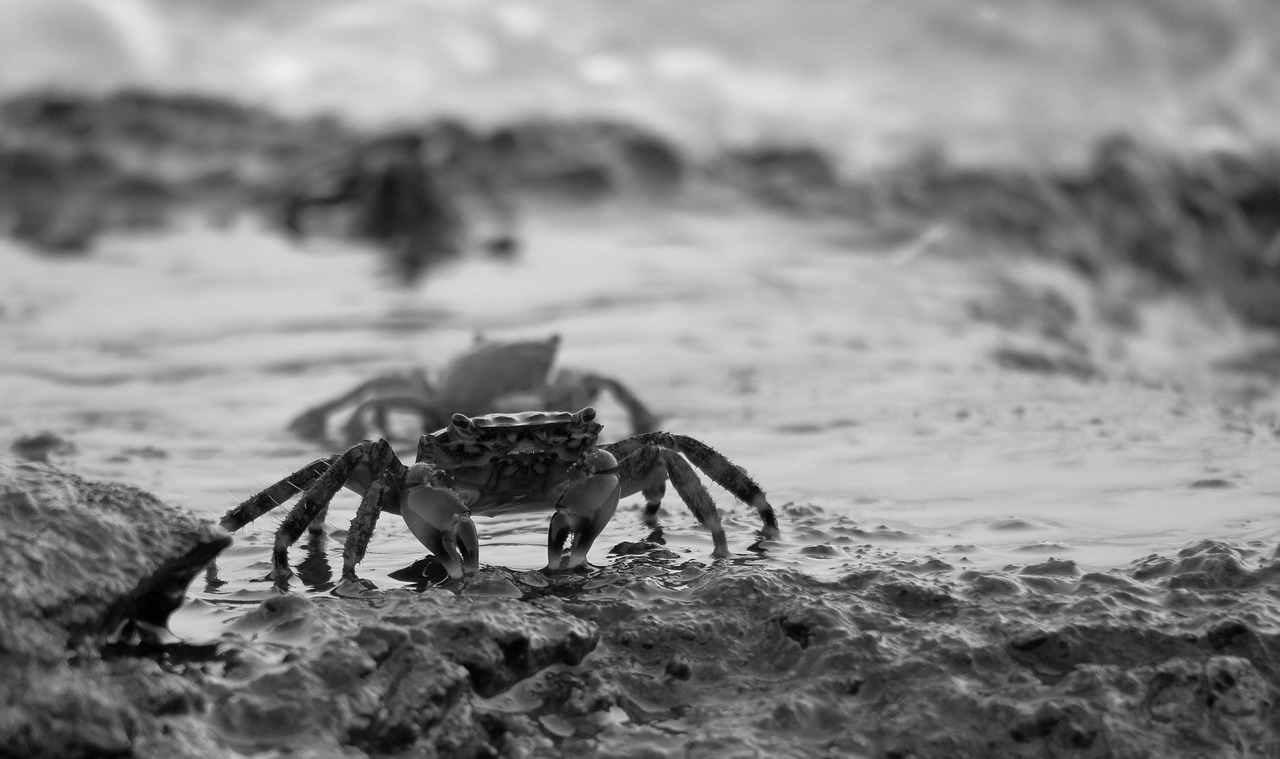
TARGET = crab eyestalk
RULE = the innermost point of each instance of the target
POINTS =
(462, 427)
(439, 519)
(584, 509)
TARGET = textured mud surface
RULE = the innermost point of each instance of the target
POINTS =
(1169, 656)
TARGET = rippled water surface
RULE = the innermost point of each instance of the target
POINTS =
(856, 383)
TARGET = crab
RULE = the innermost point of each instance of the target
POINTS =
(490, 377)
(503, 463)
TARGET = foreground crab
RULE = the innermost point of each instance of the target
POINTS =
(503, 463)
(490, 377)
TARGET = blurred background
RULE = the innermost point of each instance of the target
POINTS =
(989, 79)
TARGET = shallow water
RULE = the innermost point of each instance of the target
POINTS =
(854, 381)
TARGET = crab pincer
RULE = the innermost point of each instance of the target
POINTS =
(439, 519)
(583, 509)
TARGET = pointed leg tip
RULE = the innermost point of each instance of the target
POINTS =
(280, 571)
(354, 587)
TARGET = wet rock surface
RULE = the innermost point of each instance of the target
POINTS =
(1169, 657)
(84, 558)
(404, 671)
(85, 561)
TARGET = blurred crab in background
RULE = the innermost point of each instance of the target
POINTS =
(491, 377)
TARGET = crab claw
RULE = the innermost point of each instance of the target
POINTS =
(584, 509)
(439, 519)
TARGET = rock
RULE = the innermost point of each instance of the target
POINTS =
(41, 445)
(586, 159)
(409, 679)
(1212, 483)
(787, 177)
(82, 559)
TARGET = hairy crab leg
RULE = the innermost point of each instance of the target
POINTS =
(374, 457)
(382, 495)
(720, 469)
(274, 495)
(652, 463)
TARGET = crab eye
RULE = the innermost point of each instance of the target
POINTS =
(463, 427)
(586, 415)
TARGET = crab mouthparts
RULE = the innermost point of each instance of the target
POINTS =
(525, 446)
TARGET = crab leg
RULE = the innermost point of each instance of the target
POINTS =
(310, 424)
(723, 472)
(642, 419)
(276, 494)
(382, 495)
(583, 510)
(646, 468)
(362, 464)
(653, 495)
(356, 428)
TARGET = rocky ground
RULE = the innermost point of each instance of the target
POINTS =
(1169, 656)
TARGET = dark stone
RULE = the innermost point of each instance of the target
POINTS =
(42, 445)
(1214, 483)
(1052, 568)
(83, 559)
